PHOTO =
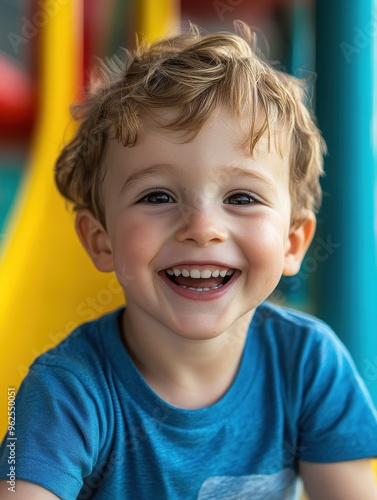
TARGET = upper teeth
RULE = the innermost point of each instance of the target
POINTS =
(195, 273)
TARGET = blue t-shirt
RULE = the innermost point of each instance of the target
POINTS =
(88, 425)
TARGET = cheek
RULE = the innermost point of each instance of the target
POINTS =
(134, 247)
(265, 247)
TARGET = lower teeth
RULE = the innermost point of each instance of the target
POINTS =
(201, 289)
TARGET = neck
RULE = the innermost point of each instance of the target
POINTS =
(184, 372)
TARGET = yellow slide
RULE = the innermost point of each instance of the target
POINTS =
(47, 283)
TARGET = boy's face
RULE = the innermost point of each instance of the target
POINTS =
(175, 207)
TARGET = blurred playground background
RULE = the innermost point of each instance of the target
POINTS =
(47, 284)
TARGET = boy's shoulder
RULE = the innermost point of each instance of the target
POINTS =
(297, 337)
(289, 315)
(285, 320)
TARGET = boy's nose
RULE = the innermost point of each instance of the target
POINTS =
(202, 226)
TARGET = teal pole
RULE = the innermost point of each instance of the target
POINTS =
(346, 34)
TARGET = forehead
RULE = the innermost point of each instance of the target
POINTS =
(222, 141)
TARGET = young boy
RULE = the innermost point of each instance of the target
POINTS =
(195, 176)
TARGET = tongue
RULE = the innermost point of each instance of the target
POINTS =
(198, 282)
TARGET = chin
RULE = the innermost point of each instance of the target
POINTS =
(199, 335)
(193, 331)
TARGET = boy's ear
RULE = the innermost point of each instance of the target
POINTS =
(95, 240)
(299, 239)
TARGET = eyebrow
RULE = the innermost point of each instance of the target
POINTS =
(145, 174)
(250, 174)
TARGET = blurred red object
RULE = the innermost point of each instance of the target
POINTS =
(17, 101)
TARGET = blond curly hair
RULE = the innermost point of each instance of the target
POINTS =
(195, 74)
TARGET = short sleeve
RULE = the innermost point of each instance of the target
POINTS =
(56, 429)
(338, 421)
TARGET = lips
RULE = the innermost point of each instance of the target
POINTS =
(202, 279)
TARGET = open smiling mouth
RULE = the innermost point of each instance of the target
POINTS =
(199, 280)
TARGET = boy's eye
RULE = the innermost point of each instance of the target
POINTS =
(156, 198)
(240, 199)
